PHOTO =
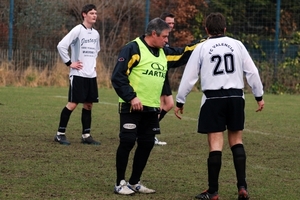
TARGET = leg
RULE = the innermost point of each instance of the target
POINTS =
(122, 156)
(214, 161)
(239, 157)
(166, 104)
(123, 152)
(71, 105)
(128, 138)
(148, 127)
(63, 122)
(236, 120)
(65, 116)
(140, 159)
(146, 132)
(239, 160)
(212, 122)
(141, 156)
(86, 118)
(127, 141)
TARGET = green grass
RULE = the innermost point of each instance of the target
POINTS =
(32, 166)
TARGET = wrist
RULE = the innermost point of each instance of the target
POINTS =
(179, 105)
(258, 98)
(68, 63)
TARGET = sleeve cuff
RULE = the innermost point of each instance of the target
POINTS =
(179, 105)
(68, 63)
(258, 98)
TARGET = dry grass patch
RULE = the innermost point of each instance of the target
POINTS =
(56, 75)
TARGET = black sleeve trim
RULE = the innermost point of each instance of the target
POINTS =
(68, 63)
(258, 98)
(179, 105)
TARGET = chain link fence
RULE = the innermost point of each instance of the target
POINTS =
(31, 29)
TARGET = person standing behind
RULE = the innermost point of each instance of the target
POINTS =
(169, 18)
(138, 78)
(166, 98)
(84, 42)
(221, 62)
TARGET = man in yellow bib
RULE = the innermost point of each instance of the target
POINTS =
(138, 78)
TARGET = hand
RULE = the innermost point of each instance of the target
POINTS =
(260, 105)
(136, 104)
(76, 65)
(176, 110)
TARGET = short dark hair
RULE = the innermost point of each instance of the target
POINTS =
(215, 23)
(164, 15)
(87, 8)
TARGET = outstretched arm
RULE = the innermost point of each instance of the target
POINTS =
(177, 57)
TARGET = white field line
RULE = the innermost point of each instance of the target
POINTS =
(195, 119)
(229, 162)
(248, 130)
(101, 102)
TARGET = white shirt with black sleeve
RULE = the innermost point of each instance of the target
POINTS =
(85, 45)
(221, 63)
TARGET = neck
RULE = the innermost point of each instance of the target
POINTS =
(87, 25)
(210, 36)
(147, 40)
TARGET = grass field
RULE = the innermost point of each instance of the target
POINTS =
(34, 167)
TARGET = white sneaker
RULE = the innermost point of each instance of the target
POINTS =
(157, 142)
(123, 189)
(141, 188)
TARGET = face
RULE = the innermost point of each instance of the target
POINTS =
(161, 40)
(90, 17)
(170, 21)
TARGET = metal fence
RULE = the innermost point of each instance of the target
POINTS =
(31, 29)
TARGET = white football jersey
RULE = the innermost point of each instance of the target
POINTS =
(85, 45)
(221, 63)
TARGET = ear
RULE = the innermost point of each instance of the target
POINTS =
(153, 33)
(206, 31)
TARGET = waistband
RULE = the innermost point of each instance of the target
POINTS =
(223, 93)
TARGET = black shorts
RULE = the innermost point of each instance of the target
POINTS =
(166, 90)
(139, 126)
(83, 90)
(219, 114)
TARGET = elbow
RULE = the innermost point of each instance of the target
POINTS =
(59, 46)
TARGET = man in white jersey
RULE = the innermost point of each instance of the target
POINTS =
(84, 42)
(221, 61)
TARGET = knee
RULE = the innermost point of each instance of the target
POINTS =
(127, 137)
(71, 106)
(146, 142)
(145, 145)
(126, 143)
(88, 106)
